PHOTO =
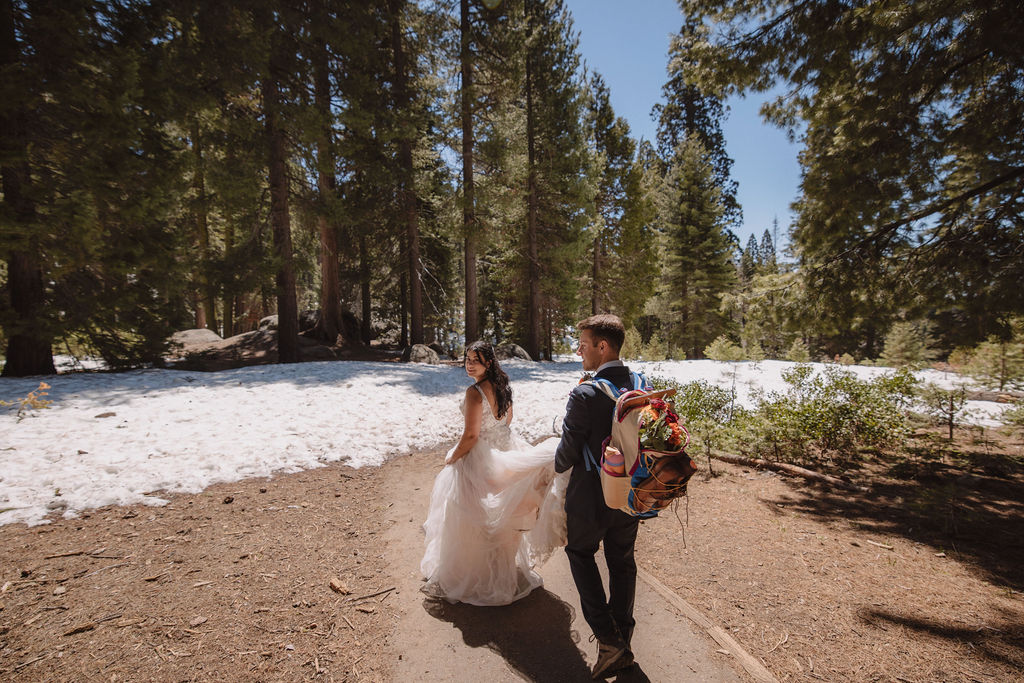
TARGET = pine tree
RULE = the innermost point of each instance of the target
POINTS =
(910, 125)
(29, 341)
(402, 101)
(769, 261)
(749, 261)
(329, 325)
(907, 344)
(558, 170)
(471, 244)
(691, 112)
(621, 235)
(107, 174)
(277, 73)
(697, 249)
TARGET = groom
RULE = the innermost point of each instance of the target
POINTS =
(589, 521)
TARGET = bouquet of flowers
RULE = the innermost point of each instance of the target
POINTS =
(660, 429)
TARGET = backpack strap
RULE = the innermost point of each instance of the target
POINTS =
(640, 381)
(612, 392)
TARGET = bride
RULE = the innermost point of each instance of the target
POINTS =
(497, 508)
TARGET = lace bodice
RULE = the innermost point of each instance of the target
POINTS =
(494, 430)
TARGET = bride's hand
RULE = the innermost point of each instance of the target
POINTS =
(450, 457)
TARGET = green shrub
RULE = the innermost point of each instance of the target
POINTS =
(631, 347)
(723, 349)
(906, 345)
(655, 349)
(998, 363)
(831, 413)
(798, 352)
(1014, 415)
(847, 359)
(959, 359)
(948, 405)
(704, 409)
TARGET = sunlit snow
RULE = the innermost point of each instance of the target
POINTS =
(124, 438)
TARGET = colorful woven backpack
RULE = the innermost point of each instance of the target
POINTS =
(636, 477)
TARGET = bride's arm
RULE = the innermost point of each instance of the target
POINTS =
(471, 431)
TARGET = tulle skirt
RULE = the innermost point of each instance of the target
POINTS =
(495, 516)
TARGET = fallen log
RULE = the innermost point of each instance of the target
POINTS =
(788, 469)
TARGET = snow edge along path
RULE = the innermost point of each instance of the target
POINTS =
(120, 438)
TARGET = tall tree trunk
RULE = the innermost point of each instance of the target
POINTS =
(549, 337)
(468, 198)
(287, 308)
(206, 290)
(407, 186)
(197, 306)
(533, 266)
(228, 300)
(29, 346)
(365, 330)
(594, 274)
(404, 341)
(330, 297)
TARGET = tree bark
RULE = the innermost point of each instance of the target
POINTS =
(287, 308)
(197, 306)
(404, 341)
(406, 175)
(594, 274)
(365, 330)
(330, 297)
(228, 299)
(533, 266)
(472, 331)
(209, 298)
(29, 346)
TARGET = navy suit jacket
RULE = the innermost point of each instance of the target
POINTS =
(588, 420)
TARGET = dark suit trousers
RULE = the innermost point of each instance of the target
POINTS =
(611, 616)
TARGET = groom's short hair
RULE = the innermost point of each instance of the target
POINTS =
(607, 327)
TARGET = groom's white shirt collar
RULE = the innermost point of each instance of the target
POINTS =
(610, 364)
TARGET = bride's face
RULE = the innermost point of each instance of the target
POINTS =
(475, 367)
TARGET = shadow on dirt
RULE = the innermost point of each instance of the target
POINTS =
(1003, 643)
(960, 510)
(532, 635)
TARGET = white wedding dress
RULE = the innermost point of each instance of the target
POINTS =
(495, 516)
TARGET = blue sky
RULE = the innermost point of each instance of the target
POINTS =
(626, 41)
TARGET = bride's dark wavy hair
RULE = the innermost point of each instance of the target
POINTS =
(502, 389)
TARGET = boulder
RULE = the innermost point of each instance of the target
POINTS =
(438, 349)
(197, 336)
(268, 323)
(508, 351)
(420, 353)
(309, 320)
(192, 341)
(351, 328)
(317, 352)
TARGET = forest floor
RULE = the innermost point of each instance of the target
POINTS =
(918, 580)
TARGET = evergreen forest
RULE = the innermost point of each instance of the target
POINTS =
(440, 171)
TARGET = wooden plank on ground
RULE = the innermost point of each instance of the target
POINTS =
(750, 664)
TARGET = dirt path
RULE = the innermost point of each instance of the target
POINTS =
(540, 638)
(234, 584)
